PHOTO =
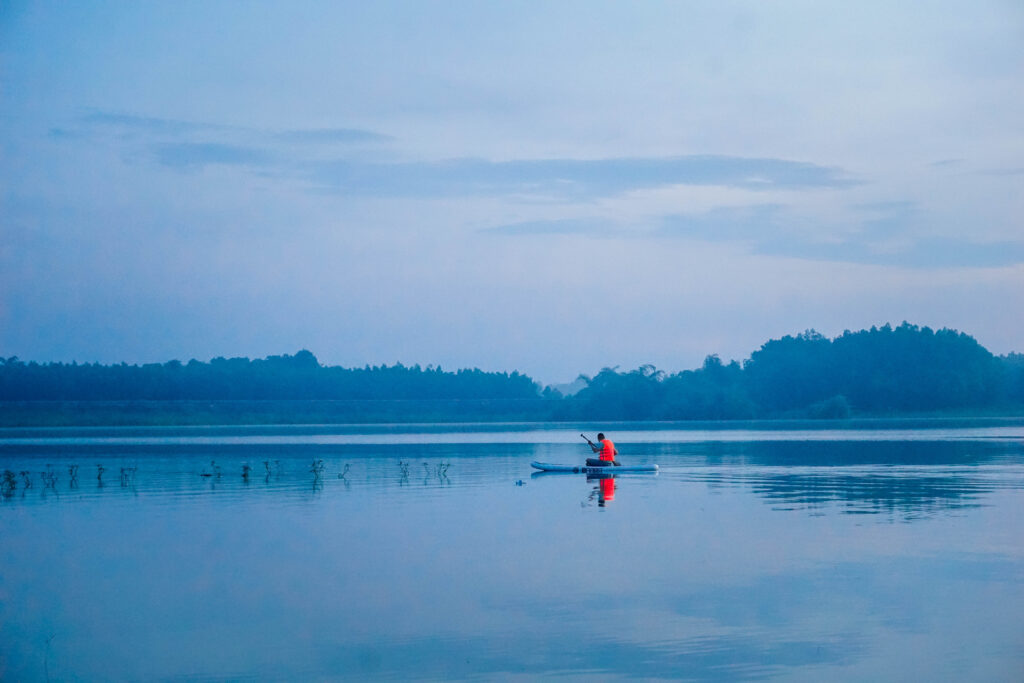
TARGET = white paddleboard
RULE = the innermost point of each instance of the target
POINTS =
(583, 469)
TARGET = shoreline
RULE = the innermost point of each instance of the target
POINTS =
(408, 412)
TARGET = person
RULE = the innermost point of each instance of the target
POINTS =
(607, 452)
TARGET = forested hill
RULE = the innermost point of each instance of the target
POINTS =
(274, 378)
(886, 370)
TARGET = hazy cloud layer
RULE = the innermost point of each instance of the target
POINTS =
(879, 238)
(159, 127)
(217, 144)
(572, 178)
(195, 154)
(568, 226)
(191, 145)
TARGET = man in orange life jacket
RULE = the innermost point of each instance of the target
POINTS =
(608, 453)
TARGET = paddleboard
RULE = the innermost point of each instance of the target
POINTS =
(583, 469)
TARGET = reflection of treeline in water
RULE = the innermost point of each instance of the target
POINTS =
(907, 369)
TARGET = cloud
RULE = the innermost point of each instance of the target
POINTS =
(188, 145)
(922, 253)
(158, 127)
(569, 226)
(570, 178)
(187, 155)
(718, 225)
(66, 134)
(882, 236)
(885, 206)
(147, 124)
(728, 223)
(329, 135)
(1004, 171)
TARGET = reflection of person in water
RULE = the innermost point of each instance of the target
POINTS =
(607, 453)
(605, 489)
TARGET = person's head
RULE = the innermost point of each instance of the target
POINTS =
(600, 437)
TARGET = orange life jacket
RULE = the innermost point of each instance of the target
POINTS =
(607, 450)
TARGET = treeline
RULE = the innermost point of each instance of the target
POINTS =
(274, 378)
(884, 370)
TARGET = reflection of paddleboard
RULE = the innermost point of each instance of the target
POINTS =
(547, 467)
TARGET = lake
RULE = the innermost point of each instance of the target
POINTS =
(435, 551)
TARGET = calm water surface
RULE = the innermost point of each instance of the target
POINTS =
(432, 551)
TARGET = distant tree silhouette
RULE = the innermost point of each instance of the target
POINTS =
(713, 392)
(276, 377)
(1014, 381)
(878, 371)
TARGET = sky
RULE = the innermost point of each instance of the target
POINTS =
(550, 187)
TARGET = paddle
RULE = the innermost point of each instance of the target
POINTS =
(590, 442)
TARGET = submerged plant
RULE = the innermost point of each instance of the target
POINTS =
(27, 478)
(73, 474)
(128, 475)
(9, 483)
(49, 477)
(317, 468)
(344, 472)
(245, 471)
(99, 473)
